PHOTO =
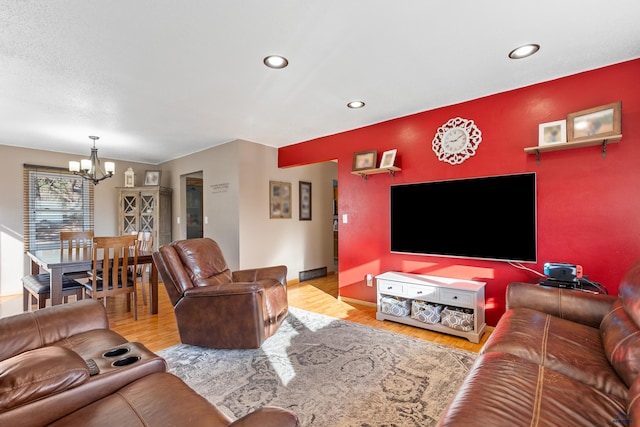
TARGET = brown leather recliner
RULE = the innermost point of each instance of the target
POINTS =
(217, 308)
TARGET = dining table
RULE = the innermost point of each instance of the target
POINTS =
(60, 261)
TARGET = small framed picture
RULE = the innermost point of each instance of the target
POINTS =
(305, 201)
(364, 160)
(152, 178)
(388, 158)
(597, 122)
(552, 132)
(279, 199)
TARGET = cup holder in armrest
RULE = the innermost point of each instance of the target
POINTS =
(116, 352)
(126, 361)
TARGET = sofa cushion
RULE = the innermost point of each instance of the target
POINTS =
(159, 399)
(570, 348)
(506, 390)
(620, 337)
(38, 373)
(28, 331)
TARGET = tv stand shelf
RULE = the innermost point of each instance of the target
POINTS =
(438, 290)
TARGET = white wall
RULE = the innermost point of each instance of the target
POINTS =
(236, 179)
(220, 194)
(300, 245)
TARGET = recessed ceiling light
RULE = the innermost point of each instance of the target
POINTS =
(355, 104)
(524, 51)
(275, 61)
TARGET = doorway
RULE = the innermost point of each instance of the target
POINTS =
(193, 192)
(335, 226)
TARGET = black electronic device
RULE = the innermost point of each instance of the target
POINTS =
(581, 284)
(490, 217)
(558, 283)
(563, 271)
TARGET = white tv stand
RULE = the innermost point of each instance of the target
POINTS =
(439, 290)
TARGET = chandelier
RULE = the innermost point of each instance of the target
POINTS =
(89, 168)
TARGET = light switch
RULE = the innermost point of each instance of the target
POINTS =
(178, 220)
(345, 218)
(206, 220)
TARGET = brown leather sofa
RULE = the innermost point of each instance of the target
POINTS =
(217, 308)
(557, 357)
(45, 379)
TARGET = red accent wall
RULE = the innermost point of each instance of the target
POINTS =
(588, 206)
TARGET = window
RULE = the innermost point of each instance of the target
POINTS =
(54, 200)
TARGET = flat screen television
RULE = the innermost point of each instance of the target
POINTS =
(490, 217)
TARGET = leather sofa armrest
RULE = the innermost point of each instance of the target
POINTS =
(267, 417)
(240, 288)
(577, 306)
(39, 373)
(278, 272)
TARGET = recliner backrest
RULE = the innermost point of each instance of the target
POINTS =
(185, 264)
(203, 261)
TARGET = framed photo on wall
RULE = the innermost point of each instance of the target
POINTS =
(305, 200)
(364, 160)
(388, 159)
(597, 122)
(279, 199)
(152, 178)
(552, 132)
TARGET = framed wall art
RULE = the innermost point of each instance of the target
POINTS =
(279, 199)
(388, 159)
(152, 178)
(552, 132)
(364, 160)
(305, 200)
(597, 122)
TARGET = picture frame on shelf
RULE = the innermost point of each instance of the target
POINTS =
(152, 178)
(388, 158)
(305, 201)
(279, 199)
(364, 160)
(552, 132)
(597, 122)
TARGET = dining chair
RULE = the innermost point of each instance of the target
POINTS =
(111, 273)
(144, 243)
(36, 288)
(75, 242)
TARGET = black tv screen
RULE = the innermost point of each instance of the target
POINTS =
(488, 218)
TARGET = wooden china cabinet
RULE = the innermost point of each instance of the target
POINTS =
(145, 209)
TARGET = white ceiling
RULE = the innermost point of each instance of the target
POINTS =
(159, 79)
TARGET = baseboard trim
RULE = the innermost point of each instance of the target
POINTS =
(314, 273)
(357, 301)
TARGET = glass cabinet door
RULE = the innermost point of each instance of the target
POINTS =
(147, 212)
(129, 213)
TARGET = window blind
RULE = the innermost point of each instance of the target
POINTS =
(54, 200)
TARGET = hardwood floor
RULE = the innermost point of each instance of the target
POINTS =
(319, 295)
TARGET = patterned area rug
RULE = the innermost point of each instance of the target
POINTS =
(330, 372)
